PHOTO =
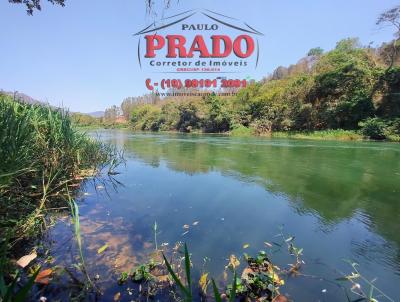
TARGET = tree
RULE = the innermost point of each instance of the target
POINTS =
(217, 116)
(348, 44)
(392, 17)
(316, 51)
(32, 5)
(373, 128)
(150, 4)
(280, 73)
(111, 114)
(189, 117)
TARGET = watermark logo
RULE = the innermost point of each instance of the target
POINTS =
(198, 41)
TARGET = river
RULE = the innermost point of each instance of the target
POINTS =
(226, 195)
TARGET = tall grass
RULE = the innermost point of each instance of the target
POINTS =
(40, 154)
(186, 289)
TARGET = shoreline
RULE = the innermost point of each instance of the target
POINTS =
(318, 135)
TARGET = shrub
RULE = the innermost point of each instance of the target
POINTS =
(373, 128)
(394, 126)
(169, 116)
(217, 116)
(146, 117)
(240, 130)
(189, 117)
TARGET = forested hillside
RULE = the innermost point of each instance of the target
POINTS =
(350, 87)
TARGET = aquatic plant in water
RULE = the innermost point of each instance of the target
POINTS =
(259, 278)
(372, 294)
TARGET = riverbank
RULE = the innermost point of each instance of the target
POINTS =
(44, 160)
(338, 135)
(331, 135)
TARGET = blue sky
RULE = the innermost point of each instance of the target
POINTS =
(83, 56)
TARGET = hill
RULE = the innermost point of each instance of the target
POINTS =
(96, 114)
(22, 97)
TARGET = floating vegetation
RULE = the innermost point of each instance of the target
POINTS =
(172, 276)
(259, 278)
(371, 293)
(151, 278)
(142, 273)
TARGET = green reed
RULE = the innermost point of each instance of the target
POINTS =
(155, 227)
(42, 154)
(186, 289)
(77, 232)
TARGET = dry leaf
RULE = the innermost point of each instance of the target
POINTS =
(280, 298)
(102, 249)
(163, 278)
(267, 244)
(117, 296)
(186, 226)
(203, 282)
(246, 245)
(277, 280)
(225, 275)
(25, 260)
(43, 276)
(196, 223)
(291, 238)
(233, 262)
(246, 272)
(147, 245)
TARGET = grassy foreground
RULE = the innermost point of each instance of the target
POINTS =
(42, 158)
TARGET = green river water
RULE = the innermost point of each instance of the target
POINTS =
(340, 200)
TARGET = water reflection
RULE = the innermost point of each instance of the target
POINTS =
(334, 180)
(341, 200)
